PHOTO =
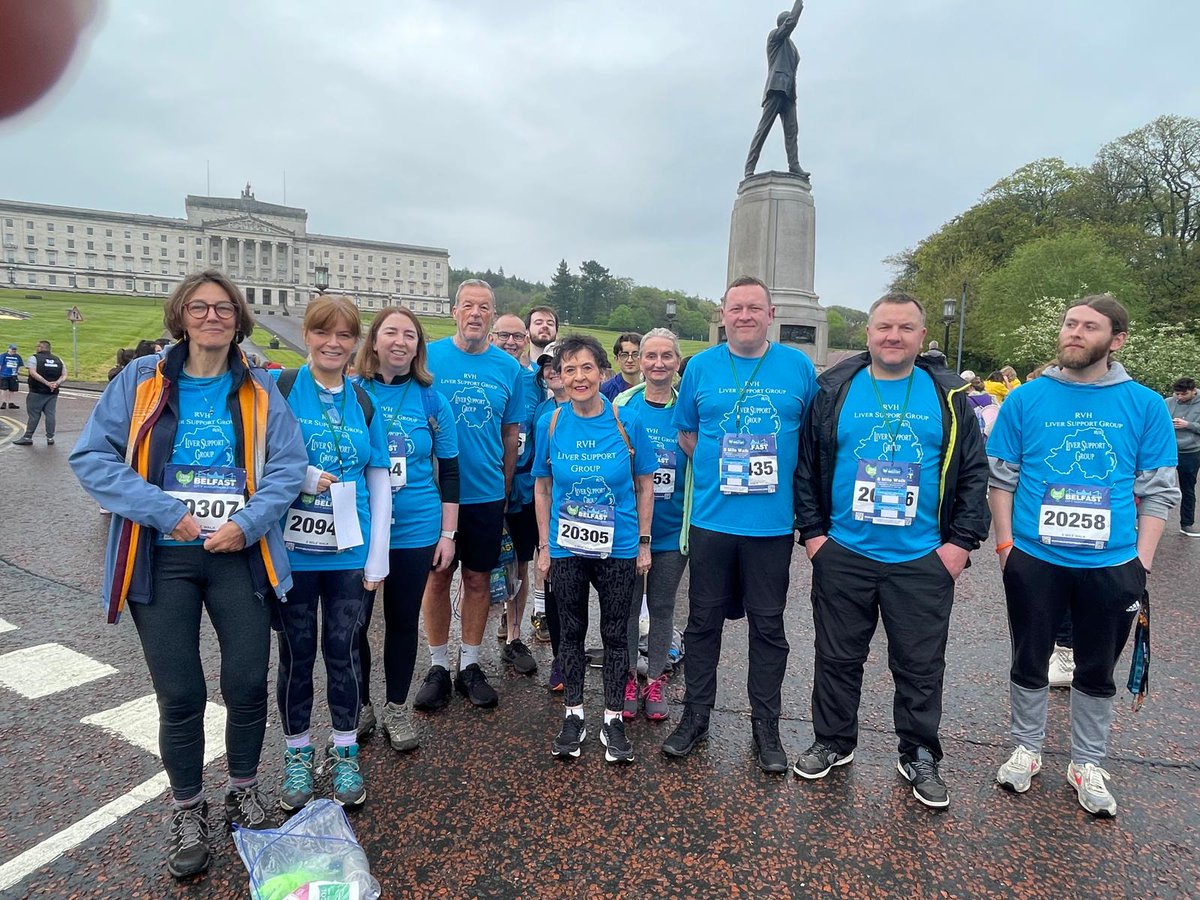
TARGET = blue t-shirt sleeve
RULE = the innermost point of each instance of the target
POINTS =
(1158, 446)
(445, 442)
(1005, 439)
(686, 415)
(541, 464)
(377, 431)
(514, 409)
(645, 459)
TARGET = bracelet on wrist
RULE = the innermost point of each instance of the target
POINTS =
(1004, 545)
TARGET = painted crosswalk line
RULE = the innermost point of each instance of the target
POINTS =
(48, 669)
(137, 723)
(6, 626)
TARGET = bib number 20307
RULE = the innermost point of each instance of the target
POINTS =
(211, 494)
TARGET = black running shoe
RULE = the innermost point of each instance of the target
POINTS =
(616, 745)
(187, 854)
(517, 655)
(570, 738)
(817, 760)
(473, 684)
(921, 771)
(435, 691)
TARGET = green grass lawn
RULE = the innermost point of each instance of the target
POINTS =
(111, 322)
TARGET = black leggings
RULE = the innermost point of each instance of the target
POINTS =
(402, 592)
(186, 580)
(613, 580)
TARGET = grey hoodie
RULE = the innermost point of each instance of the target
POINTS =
(1156, 489)
(1188, 438)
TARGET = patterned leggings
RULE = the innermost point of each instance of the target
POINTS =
(613, 580)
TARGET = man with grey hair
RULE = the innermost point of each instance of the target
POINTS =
(779, 98)
(1082, 480)
(483, 385)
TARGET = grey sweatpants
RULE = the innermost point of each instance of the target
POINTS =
(37, 405)
(662, 584)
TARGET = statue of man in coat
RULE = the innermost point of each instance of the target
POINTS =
(779, 98)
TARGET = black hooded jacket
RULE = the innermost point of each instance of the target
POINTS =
(963, 512)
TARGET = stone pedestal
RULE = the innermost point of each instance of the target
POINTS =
(772, 236)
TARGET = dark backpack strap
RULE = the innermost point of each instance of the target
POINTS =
(286, 381)
(364, 400)
(429, 401)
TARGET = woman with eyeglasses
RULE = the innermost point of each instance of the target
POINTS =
(197, 456)
(336, 532)
(423, 448)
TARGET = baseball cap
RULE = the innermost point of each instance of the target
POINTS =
(12, 346)
(966, 375)
(548, 354)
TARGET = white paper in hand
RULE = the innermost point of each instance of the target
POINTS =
(345, 514)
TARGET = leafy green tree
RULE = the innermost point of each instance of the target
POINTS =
(564, 291)
(594, 284)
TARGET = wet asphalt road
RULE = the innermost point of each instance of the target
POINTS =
(482, 810)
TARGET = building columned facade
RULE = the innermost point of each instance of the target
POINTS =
(266, 248)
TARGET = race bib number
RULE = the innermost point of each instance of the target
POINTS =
(886, 493)
(212, 494)
(309, 524)
(1075, 516)
(587, 529)
(749, 464)
(397, 451)
(664, 475)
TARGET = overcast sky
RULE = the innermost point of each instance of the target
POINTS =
(519, 133)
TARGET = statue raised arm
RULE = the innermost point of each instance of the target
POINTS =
(779, 97)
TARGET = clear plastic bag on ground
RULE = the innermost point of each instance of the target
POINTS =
(315, 845)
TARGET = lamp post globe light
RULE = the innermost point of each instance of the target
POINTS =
(321, 279)
(672, 309)
(949, 312)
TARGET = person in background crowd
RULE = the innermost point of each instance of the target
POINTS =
(1082, 480)
(423, 448)
(198, 457)
(46, 375)
(891, 498)
(595, 501)
(549, 382)
(652, 403)
(10, 364)
(542, 324)
(1184, 409)
(934, 356)
(982, 403)
(629, 370)
(510, 336)
(483, 385)
(334, 569)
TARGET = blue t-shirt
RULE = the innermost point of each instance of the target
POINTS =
(532, 396)
(484, 390)
(864, 440)
(338, 441)
(417, 506)
(589, 466)
(9, 364)
(615, 386)
(1080, 447)
(659, 422)
(204, 436)
(774, 404)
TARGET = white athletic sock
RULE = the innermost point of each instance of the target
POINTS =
(610, 716)
(440, 656)
(296, 741)
(575, 711)
(468, 655)
(539, 600)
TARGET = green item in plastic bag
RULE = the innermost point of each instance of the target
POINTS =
(279, 887)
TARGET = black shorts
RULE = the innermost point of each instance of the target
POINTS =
(479, 527)
(522, 526)
(9, 383)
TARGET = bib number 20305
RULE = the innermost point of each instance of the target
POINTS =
(587, 529)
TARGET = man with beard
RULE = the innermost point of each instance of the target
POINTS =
(541, 323)
(1082, 479)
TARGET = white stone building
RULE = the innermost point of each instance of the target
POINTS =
(265, 248)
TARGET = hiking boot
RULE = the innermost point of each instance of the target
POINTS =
(817, 760)
(630, 709)
(473, 684)
(692, 728)
(570, 737)
(1062, 667)
(247, 808)
(297, 787)
(187, 853)
(366, 722)
(502, 628)
(398, 727)
(1094, 796)
(616, 745)
(517, 655)
(1018, 770)
(768, 748)
(555, 682)
(921, 771)
(349, 788)
(655, 698)
(541, 628)
(435, 691)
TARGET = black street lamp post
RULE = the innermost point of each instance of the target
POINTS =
(672, 309)
(321, 279)
(949, 314)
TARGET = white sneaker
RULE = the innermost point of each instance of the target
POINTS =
(1190, 530)
(1094, 796)
(1017, 773)
(1062, 666)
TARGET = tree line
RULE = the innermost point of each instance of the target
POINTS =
(593, 296)
(1127, 224)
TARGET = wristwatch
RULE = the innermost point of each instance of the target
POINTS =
(643, 539)
(453, 535)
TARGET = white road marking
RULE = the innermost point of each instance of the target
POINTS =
(72, 836)
(47, 669)
(137, 722)
(6, 626)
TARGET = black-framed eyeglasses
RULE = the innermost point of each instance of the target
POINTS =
(509, 335)
(628, 354)
(198, 310)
